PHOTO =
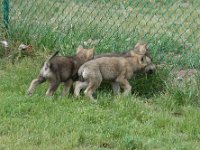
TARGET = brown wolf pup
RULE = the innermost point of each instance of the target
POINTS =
(117, 69)
(58, 69)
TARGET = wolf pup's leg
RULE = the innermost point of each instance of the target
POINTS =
(53, 85)
(67, 86)
(115, 88)
(124, 84)
(40, 79)
(92, 86)
(79, 86)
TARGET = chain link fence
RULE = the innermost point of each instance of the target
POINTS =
(172, 28)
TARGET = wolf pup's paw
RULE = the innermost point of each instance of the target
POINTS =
(29, 93)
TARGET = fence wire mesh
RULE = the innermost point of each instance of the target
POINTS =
(172, 28)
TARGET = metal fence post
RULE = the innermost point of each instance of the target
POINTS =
(6, 13)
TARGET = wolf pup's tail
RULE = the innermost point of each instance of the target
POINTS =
(52, 56)
(47, 63)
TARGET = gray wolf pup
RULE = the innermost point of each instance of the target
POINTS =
(117, 69)
(115, 85)
(57, 69)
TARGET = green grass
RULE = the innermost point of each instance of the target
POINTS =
(158, 115)
(162, 112)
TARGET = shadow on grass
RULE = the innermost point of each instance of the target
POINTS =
(145, 86)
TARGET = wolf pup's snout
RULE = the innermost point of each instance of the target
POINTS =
(150, 69)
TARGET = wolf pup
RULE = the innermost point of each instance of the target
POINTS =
(117, 69)
(58, 69)
(115, 85)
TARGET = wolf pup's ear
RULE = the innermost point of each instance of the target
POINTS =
(141, 49)
(79, 49)
(138, 44)
(90, 53)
